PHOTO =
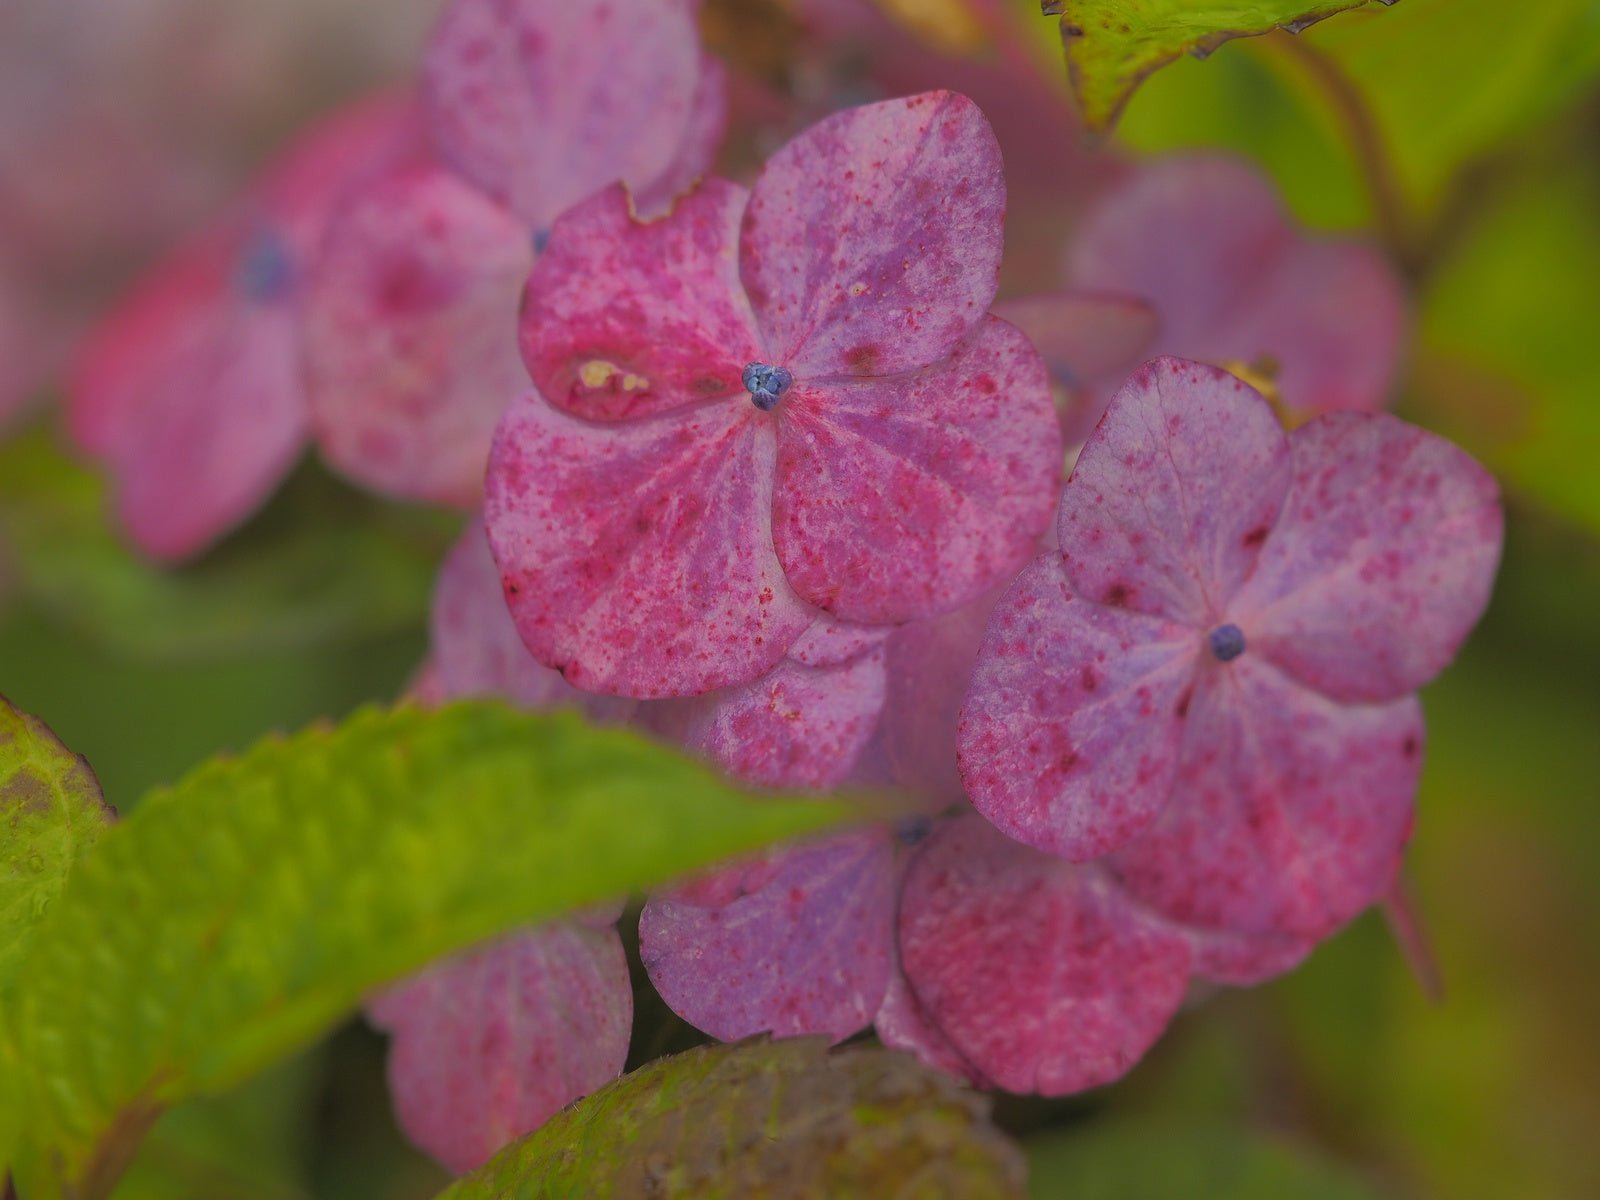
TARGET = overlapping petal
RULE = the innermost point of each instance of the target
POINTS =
(540, 104)
(1174, 493)
(702, 138)
(487, 1046)
(1382, 561)
(1040, 974)
(905, 496)
(1289, 812)
(1071, 731)
(410, 334)
(872, 242)
(805, 951)
(626, 318)
(637, 557)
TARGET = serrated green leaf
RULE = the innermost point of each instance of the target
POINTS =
(1111, 45)
(1140, 1160)
(295, 578)
(50, 813)
(762, 1119)
(235, 917)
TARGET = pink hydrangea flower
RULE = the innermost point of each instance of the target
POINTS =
(1213, 680)
(411, 314)
(768, 404)
(191, 391)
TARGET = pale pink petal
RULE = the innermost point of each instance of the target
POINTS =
(805, 952)
(902, 1024)
(1090, 341)
(637, 557)
(1381, 563)
(1040, 974)
(795, 727)
(488, 1046)
(832, 643)
(476, 650)
(410, 334)
(872, 242)
(541, 103)
(1244, 959)
(626, 318)
(1289, 813)
(906, 496)
(708, 121)
(1174, 493)
(1070, 733)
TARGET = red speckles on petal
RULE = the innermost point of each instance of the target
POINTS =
(902, 497)
(862, 251)
(487, 1046)
(806, 951)
(1071, 769)
(1040, 974)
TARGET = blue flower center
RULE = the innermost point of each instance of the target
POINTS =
(1227, 642)
(541, 239)
(766, 385)
(265, 266)
(911, 830)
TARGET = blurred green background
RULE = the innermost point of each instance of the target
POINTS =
(1340, 1080)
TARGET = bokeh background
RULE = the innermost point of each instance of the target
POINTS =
(1462, 135)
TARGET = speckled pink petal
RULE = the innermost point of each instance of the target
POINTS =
(1244, 959)
(637, 557)
(1070, 733)
(872, 242)
(1174, 493)
(1381, 563)
(1041, 974)
(410, 335)
(476, 650)
(1090, 341)
(489, 1045)
(708, 121)
(832, 643)
(795, 727)
(542, 103)
(907, 496)
(626, 318)
(805, 952)
(1205, 240)
(902, 1024)
(1289, 813)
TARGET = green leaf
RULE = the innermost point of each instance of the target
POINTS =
(234, 918)
(1111, 45)
(294, 578)
(1140, 1161)
(762, 1119)
(50, 813)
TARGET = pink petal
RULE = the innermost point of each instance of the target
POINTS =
(410, 335)
(795, 727)
(902, 1024)
(637, 557)
(872, 243)
(1070, 734)
(708, 121)
(1205, 240)
(1174, 493)
(1382, 561)
(540, 104)
(832, 643)
(906, 496)
(1041, 974)
(1289, 813)
(805, 952)
(488, 1046)
(1089, 341)
(476, 650)
(625, 318)
(1244, 959)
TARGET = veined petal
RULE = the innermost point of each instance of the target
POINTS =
(872, 242)
(637, 557)
(903, 497)
(626, 318)
(1070, 733)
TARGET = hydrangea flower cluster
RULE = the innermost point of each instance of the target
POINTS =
(770, 471)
